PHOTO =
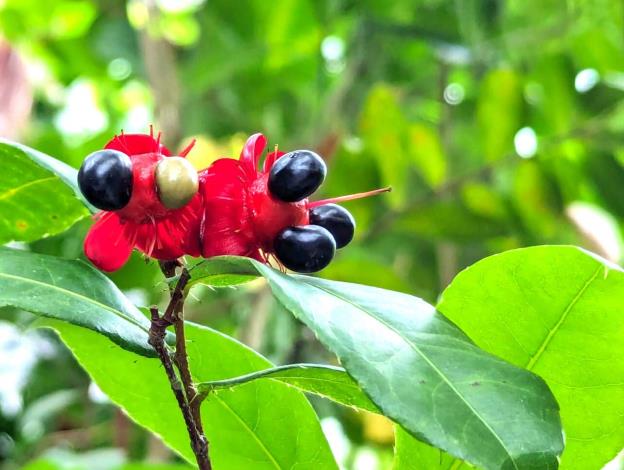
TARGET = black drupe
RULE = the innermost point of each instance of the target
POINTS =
(296, 175)
(305, 249)
(337, 220)
(105, 179)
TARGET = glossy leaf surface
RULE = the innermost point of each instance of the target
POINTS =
(424, 373)
(557, 311)
(74, 292)
(34, 199)
(264, 425)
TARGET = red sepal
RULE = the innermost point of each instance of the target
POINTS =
(137, 144)
(240, 216)
(225, 228)
(107, 244)
(251, 153)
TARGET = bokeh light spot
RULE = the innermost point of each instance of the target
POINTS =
(454, 94)
(119, 69)
(586, 79)
(525, 142)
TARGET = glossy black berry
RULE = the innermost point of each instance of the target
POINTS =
(305, 249)
(296, 175)
(105, 179)
(337, 220)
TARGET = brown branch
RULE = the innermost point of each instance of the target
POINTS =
(183, 385)
(181, 360)
(168, 268)
(159, 59)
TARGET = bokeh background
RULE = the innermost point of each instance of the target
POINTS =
(499, 124)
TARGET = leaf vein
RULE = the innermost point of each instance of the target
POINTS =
(78, 296)
(253, 434)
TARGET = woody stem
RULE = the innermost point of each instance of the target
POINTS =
(181, 361)
(180, 381)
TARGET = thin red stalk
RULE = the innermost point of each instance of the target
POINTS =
(349, 197)
(188, 148)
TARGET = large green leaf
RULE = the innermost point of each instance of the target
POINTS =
(557, 311)
(34, 201)
(327, 381)
(424, 373)
(260, 425)
(74, 292)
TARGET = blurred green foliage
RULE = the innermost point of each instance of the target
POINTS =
(498, 124)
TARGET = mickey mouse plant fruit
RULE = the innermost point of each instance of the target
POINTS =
(161, 205)
(149, 200)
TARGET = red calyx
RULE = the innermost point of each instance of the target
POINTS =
(240, 215)
(233, 213)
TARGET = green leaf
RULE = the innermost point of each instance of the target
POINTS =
(260, 425)
(327, 381)
(535, 200)
(218, 273)
(499, 112)
(60, 169)
(59, 458)
(34, 202)
(449, 220)
(411, 454)
(73, 292)
(481, 199)
(557, 311)
(424, 373)
(383, 128)
(154, 466)
(297, 39)
(427, 153)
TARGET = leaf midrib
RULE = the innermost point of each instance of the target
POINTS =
(428, 361)
(303, 378)
(547, 340)
(78, 296)
(564, 315)
(12, 191)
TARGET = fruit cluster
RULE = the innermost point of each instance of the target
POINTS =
(161, 205)
(308, 248)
